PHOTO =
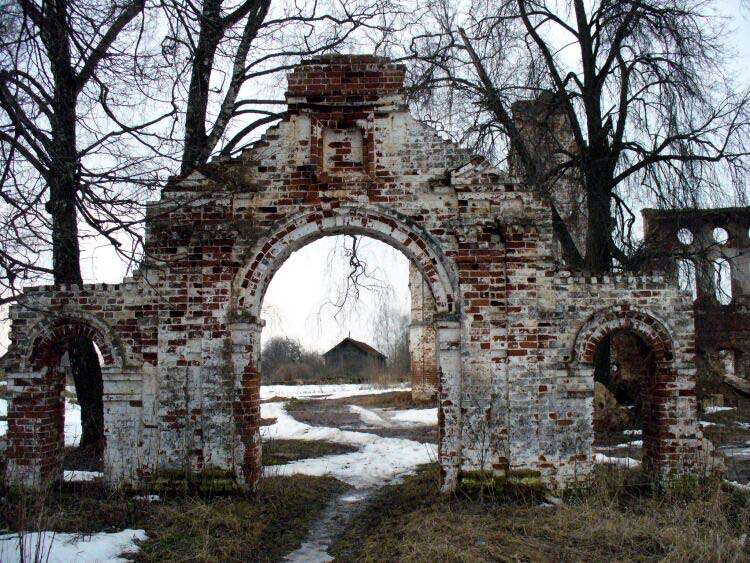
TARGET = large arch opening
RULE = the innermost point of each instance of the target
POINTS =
(252, 286)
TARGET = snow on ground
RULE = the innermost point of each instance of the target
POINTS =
(369, 416)
(417, 416)
(3, 413)
(712, 410)
(744, 487)
(391, 417)
(337, 391)
(706, 423)
(634, 445)
(378, 461)
(79, 476)
(69, 548)
(623, 461)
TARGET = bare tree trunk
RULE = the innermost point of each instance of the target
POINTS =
(64, 187)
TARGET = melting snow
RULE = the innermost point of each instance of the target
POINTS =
(69, 548)
(324, 391)
(623, 461)
(369, 417)
(387, 417)
(76, 476)
(745, 487)
(712, 410)
(378, 461)
(417, 416)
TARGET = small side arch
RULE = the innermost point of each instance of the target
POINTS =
(667, 393)
(602, 323)
(50, 335)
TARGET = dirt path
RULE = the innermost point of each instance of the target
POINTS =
(388, 449)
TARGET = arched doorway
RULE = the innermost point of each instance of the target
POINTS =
(253, 280)
(666, 388)
(37, 410)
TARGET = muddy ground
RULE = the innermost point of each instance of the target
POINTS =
(335, 413)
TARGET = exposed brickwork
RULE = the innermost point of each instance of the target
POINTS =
(718, 326)
(513, 331)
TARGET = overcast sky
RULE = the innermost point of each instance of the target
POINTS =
(295, 302)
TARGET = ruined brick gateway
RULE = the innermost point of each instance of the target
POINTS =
(515, 332)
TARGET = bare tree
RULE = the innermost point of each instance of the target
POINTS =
(66, 121)
(653, 111)
(236, 55)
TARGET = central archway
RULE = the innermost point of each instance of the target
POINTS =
(252, 281)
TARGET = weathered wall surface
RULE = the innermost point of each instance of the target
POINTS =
(425, 378)
(514, 334)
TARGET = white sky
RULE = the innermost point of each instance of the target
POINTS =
(300, 300)
(305, 282)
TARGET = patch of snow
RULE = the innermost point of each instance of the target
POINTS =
(69, 548)
(147, 498)
(388, 417)
(368, 417)
(337, 391)
(427, 417)
(76, 476)
(3, 413)
(623, 461)
(712, 410)
(745, 487)
(73, 428)
(631, 444)
(743, 425)
(735, 452)
(310, 552)
(378, 461)
(632, 432)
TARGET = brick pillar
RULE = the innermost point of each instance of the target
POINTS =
(35, 437)
(245, 358)
(422, 338)
(449, 408)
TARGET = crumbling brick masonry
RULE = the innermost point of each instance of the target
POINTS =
(515, 332)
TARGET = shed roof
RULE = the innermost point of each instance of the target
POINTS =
(366, 348)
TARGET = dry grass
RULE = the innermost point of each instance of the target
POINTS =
(617, 519)
(261, 527)
(393, 399)
(278, 452)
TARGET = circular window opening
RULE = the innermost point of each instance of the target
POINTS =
(685, 236)
(721, 236)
